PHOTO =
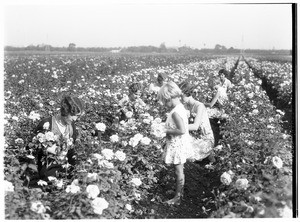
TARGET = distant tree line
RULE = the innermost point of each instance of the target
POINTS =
(219, 49)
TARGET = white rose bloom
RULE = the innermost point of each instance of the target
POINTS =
(101, 127)
(19, 140)
(147, 121)
(59, 184)
(255, 112)
(15, 118)
(241, 184)
(136, 181)
(41, 137)
(8, 186)
(105, 163)
(158, 130)
(285, 212)
(42, 183)
(50, 178)
(114, 138)
(34, 116)
(93, 191)
(38, 207)
(129, 114)
(108, 154)
(157, 120)
(226, 178)
(49, 136)
(128, 207)
(72, 188)
(99, 204)
(46, 125)
(97, 156)
(92, 176)
(52, 149)
(138, 136)
(277, 162)
(120, 155)
(124, 143)
(133, 142)
(145, 141)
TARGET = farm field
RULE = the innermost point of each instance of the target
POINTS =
(255, 161)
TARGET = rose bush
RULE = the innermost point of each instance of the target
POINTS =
(119, 161)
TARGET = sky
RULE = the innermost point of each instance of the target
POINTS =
(134, 23)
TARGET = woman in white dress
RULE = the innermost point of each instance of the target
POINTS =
(200, 128)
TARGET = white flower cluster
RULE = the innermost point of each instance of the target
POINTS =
(93, 191)
(158, 128)
(73, 188)
(108, 154)
(100, 126)
(241, 184)
(226, 177)
(136, 181)
(99, 204)
(134, 141)
(58, 183)
(34, 116)
(8, 186)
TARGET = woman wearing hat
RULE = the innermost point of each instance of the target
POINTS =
(199, 125)
(61, 125)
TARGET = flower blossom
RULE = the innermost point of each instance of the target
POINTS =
(8, 186)
(42, 183)
(73, 188)
(114, 138)
(145, 141)
(93, 191)
(92, 176)
(52, 149)
(136, 181)
(277, 162)
(120, 155)
(129, 114)
(226, 178)
(241, 184)
(158, 129)
(34, 116)
(108, 154)
(19, 140)
(46, 125)
(99, 204)
(101, 127)
(38, 207)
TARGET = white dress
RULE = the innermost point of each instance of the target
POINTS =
(176, 149)
(202, 144)
(215, 112)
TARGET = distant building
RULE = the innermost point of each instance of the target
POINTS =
(115, 50)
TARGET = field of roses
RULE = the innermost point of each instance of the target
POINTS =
(120, 168)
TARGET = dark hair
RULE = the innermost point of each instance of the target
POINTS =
(186, 88)
(162, 75)
(223, 71)
(71, 105)
(134, 87)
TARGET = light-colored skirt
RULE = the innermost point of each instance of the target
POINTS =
(201, 148)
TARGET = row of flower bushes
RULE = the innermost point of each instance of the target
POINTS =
(120, 161)
(278, 75)
(256, 154)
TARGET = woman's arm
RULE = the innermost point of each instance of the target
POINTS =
(214, 100)
(180, 129)
(197, 120)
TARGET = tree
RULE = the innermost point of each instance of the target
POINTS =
(72, 47)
